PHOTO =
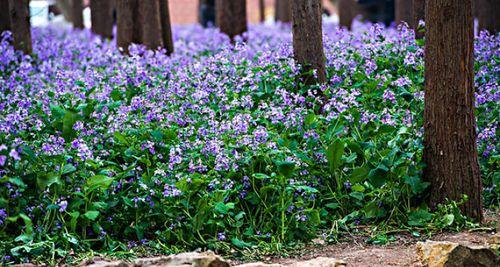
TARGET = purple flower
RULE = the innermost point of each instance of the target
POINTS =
(221, 236)
(13, 154)
(3, 159)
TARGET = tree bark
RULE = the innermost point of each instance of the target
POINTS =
(4, 16)
(128, 30)
(231, 17)
(450, 151)
(77, 14)
(19, 12)
(283, 11)
(404, 11)
(418, 15)
(308, 39)
(149, 19)
(102, 17)
(348, 10)
(488, 15)
(166, 28)
(262, 11)
(65, 7)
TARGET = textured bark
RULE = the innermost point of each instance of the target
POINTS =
(346, 13)
(150, 21)
(262, 11)
(166, 28)
(283, 11)
(102, 17)
(450, 151)
(404, 11)
(4, 16)
(128, 30)
(77, 14)
(308, 38)
(488, 14)
(231, 17)
(418, 15)
(19, 12)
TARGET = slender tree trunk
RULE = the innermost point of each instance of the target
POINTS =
(77, 13)
(347, 10)
(128, 30)
(4, 16)
(404, 11)
(450, 151)
(231, 17)
(308, 38)
(488, 14)
(418, 15)
(166, 27)
(262, 11)
(65, 7)
(149, 17)
(283, 11)
(102, 17)
(19, 11)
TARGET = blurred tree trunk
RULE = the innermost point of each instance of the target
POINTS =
(4, 16)
(128, 30)
(262, 11)
(65, 7)
(77, 13)
(149, 18)
(347, 11)
(308, 39)
(404, 11)
(283, 11)
(488, 14)
(102, 17)
(418, 15)
(450, 151)
(231, 17)
(19, 11)
(166, 27)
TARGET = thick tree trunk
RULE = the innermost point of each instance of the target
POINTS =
(347, 11)
(488, 14)
(19, 11)
(166, 28)
(102, 17)
(418, 15)
(149, 17)
(450, 151)
(128, 30)
(231, 17)
(4, 16)
(77, 13)
(283, 11)
(262, 11)
(404, 11)
(308, 38)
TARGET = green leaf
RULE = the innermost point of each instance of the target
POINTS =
(358, 188)
(378, 177)
(70, 118)
(223, 208)
(68, 168)
(448, 219)
(359, 174)
(419, 217)
(100, 181)
(334, 154)
(240, 244)
(91, 215)
(286, 168)
(74, 220)
(46, 180)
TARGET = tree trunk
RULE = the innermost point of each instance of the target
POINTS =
(102, 17)
(450, 151)
(262, 11)
(404, 11)
(166, 29)
(4, 16)
(283, 11)
(149, 18)
(488, 15)
(19, 11)
(128, 30)
(347, 10)
(231, 17)
(77, 14)
(308, 39)
(65, 7)
(418, 15)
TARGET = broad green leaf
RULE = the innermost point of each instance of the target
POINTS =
(91, 215)
(100, 181)
(46, 180)
(334, 154)
(359, 174)
(286, 168)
